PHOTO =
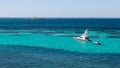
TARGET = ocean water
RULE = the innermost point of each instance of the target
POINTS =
(49, 43)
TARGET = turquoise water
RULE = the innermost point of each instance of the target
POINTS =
(62, 39)
(49, 43)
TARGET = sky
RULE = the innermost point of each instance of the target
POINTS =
(60, 8)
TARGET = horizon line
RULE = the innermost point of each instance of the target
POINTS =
(59, 17)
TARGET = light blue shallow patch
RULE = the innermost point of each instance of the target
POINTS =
(58, 41)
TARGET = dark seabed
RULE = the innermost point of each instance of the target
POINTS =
(49, 43)
(14, 56)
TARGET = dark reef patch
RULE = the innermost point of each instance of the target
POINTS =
(17, 56)
(113, 36)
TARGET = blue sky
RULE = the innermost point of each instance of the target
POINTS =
(60, 8)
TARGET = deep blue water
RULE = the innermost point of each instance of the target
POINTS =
(59, 23)
(14, 56)
(22, 56)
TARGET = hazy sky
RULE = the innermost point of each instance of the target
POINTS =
(60, 8)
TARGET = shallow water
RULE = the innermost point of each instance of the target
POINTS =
(62, 39)
(49, 43)
(14, 56)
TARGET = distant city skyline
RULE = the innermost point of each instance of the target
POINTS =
(60, 8)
